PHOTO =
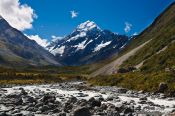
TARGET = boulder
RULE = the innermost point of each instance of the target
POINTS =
(29, 99)
(62, 114)
(162, 87)
(122, 90)
(31, 109)
(19, 101)
(82, 102)
(44, 108)
(172, 94)
(68, 107)
(82, 111)
(48, 98)
(23, 92)
(104, 106)
(56, 111)
(112, 97)
(93, 102)
(4, 114)
(72, 100)
(13, 95)
(113, 113)
(143, 98)
(122, 70)
(127, 111)
(38, 105)
(18, 114)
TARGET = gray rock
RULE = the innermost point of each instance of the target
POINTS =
(48, 98)
(104, 106)
(68, 107)
(31, 109)
(19, 101)
(138, 108)
(18, 114)
(111, 107)
(30, 114)
(113, 113)
(82, 102)
(23, 92)
(29, 99)
(44, 108)
(13, 95)
(82, 95)
(38, 112)
(39, 105)
(122, 90)
(72, 99)
(143, 98)
(56, 111)
(4, 114)
(142, 102)
(83, 111)
(94, 102)
(162, 87)
(62, 114)
(15, 111)
(127, 110)
(110, 98)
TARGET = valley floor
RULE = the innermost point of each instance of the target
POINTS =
(79, 99)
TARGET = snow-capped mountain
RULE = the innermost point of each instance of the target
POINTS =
(86, 44)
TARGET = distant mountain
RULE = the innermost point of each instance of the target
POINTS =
(87, 44)
(17, 50)
(156, 48)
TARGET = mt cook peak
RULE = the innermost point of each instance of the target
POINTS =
(88, 43)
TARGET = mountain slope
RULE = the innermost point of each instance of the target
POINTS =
(158, 54)
(114, 66)
(17, 50)
(88, 44)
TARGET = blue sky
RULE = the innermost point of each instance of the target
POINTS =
(54, 17)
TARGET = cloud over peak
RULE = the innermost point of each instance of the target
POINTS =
(128, 27)
(19, 16)
(39, 40)
(55, 38)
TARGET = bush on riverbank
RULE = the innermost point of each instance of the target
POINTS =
(27, 78)
(35, 78)
(37, 75)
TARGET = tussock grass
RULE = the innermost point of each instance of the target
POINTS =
(137, 80)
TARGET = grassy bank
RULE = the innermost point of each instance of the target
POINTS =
(37, 78)
(137, 80)
(133, 80)
(27, 78)
(40, 75)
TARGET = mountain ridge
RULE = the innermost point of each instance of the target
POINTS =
(17, 49)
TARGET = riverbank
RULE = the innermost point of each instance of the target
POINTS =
(79, 99)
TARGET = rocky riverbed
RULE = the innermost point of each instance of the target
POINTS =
(78, 99)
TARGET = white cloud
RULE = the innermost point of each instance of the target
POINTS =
(56, 37)
(128, 27)
(135, 33)
(18, 15)
(74, 14)
(39, 40)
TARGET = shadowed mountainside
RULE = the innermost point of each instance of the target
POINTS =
(18, 50)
